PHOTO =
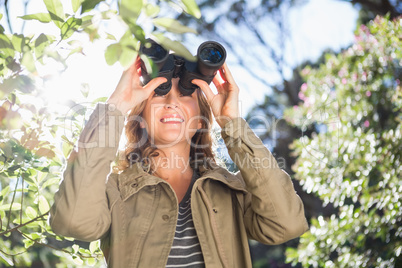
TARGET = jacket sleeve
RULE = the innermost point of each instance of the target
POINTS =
(80, 208)
(273, 212)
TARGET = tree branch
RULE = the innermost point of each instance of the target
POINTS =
(8, 16)
(59, 249)
(24, 224)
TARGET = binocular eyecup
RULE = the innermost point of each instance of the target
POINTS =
(210, 57)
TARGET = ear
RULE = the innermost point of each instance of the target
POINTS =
(142, 125)
(199, 124)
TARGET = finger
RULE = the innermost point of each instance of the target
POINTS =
(230, 82)
(226, 74)
(154, 83)
(219, 83)
(204, 87)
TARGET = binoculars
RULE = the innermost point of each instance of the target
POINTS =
(210, 57)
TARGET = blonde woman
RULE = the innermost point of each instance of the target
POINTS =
(171, 205)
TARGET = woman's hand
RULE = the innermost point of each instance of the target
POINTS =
(225, 104)
(130, 92)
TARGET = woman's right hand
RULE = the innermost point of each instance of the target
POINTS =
(130, 92)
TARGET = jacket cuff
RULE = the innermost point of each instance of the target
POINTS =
(233, 128)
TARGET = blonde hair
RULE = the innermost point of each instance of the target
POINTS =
(143, 150)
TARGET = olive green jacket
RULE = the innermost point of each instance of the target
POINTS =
(135, 214)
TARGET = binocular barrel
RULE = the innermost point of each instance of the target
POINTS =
(210, 57)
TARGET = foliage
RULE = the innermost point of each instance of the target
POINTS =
(353, 162)
(34, 141)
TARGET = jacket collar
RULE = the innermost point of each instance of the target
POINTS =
(133, 179)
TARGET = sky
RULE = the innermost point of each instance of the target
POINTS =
(314, 27)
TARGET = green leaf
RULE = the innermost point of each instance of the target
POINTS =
(42, 17)
(28, 61)
(127, 56)
(113, 53)
(41, 176)
(150, 66)
(76, 4)
(110, 37)
(100, 99)
(173, 25)
(14, 207)
(75, 248)
(13, 121)
(6, 46)
(191, 7)
(18, 41)
(41, 43)
(88, 5)
(56, 11)
(176, 46)
(130, 9)
(43, 204)
(28, 243)
(3, 193)
(94, 246)
(69, 27)
(138, 32)
(152, 10)
(31, 212)
(50, 182)
(91, 261)
(78, 260)
(85, 89)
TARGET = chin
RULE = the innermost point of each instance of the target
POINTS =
(171, 139)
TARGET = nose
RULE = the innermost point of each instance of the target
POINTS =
(171, 101)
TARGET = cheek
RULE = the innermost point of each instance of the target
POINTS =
(150, 114)
(194, 116)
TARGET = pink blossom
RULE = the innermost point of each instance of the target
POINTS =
(366, 123)
(368, 93)
(302, 96)
(307, 102)
(344, 81)
(303, 87)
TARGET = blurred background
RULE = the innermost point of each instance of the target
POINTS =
(319, 83)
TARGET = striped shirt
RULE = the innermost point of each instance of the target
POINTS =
(186, 249)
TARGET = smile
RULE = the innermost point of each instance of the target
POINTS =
(172, 119)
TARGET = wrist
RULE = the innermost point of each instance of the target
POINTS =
(223, 120)
(116, 105)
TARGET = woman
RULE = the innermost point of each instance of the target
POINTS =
(171, 205)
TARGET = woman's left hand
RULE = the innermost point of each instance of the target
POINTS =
(224, 104)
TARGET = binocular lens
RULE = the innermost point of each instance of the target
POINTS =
(211, 54)
(155, 51)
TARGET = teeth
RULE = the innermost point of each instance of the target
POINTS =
(170, 119)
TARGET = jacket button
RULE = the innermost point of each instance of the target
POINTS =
(134, 185)
(165, 217)
(215, 210)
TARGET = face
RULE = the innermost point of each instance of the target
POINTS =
(172, 118)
